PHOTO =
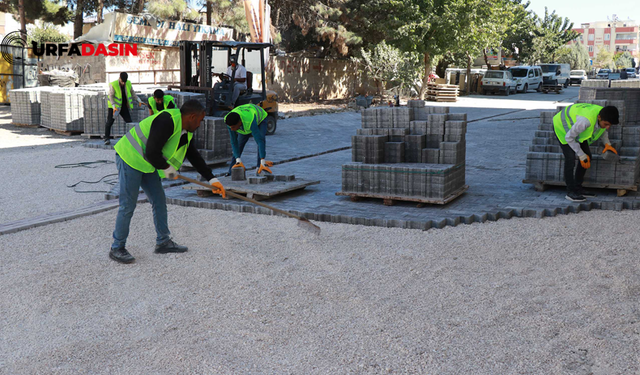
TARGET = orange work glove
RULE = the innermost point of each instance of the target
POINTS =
(264, 166)
(585, 161)
(608, 147)
(238, 164)
(217, 187)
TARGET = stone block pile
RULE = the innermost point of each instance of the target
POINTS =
(413, 152)
(96, 111)
(26, 105)
(182, 97)
(545, 160)
(212, 139)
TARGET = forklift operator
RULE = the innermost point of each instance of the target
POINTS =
(240, 78)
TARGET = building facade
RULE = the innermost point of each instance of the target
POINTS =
(613, 36)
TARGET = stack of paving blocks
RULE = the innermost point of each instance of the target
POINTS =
(26, 105)
(413, 151)
(96, 111)
(67, 110)
(545, 160)
(212, 139)
(182, 97)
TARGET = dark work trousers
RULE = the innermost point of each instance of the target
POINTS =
(126, 116)
(573, 183)
(242, 141)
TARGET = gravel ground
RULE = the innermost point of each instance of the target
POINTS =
(521, 296)
(32, 186)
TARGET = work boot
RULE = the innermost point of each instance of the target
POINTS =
(170, 247)
(107, 141)
(585, 193)
(121, 255)
(575, 197)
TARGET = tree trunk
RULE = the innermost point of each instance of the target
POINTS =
(23, 21)
(78, 22)
(425, 79)
(99, 11)
(209, 8)
(486, 59)
(468, 73)
(140, 6)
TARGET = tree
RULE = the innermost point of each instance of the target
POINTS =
(519, 37)
(45, 10)
(47, 33)
(550, 34)
(169, 9)
(604, 59)
(228, 13)
(381, 64)
(623, 60)
(576, 55)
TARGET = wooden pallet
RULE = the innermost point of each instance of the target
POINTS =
(544, 185)
(255, 191)
(66, 132)
(390, 200)
(25, 125)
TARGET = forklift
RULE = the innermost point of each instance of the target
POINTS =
(201, 61)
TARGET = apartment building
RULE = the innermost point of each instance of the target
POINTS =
(614, 36)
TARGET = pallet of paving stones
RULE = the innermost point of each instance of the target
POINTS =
(390, 200)
(26, 106)
(96, 112)
(630, 96)
(258, 187)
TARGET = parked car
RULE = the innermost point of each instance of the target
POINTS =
(555, 74)
(577, 76)
(603, 73)
(527, 77)
(631, 73)
(498, 81)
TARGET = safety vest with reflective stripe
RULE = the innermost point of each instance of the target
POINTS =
(133, 145)
(564, 120)
(167, 99)
(247, 113)
(118, 94)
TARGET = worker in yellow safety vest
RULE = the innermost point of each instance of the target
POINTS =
(577, 126)
(159, 102)
(245, 121)
(120, 102)
(155, 149)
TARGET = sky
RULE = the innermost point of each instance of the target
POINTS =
(582, 11)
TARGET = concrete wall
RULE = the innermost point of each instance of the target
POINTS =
(299, 78)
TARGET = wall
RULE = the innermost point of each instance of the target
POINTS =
(152, 65)
(299, 78)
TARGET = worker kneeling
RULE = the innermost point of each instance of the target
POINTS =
(245, 121)
(155, 149)
(576, 127)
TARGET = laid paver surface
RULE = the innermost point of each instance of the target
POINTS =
(495, 167)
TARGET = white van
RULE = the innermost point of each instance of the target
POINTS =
(498, 81)
(556, 74)
(527, 77)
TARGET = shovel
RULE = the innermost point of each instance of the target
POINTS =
(302, 222)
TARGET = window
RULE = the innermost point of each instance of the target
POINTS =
(531, 74)
(538, 72)
(606, 47)
(590, 48)
(607, 36)
(592, 36)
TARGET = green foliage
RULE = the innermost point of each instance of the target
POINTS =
(576, 55)
(229, 13)
(551, 33)
(167, 9)
(47, 33)
(389, 65)
(604, 59)
(45, 10)
(623, 60)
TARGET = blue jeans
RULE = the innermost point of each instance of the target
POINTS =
(130, 182)
(242, 141)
